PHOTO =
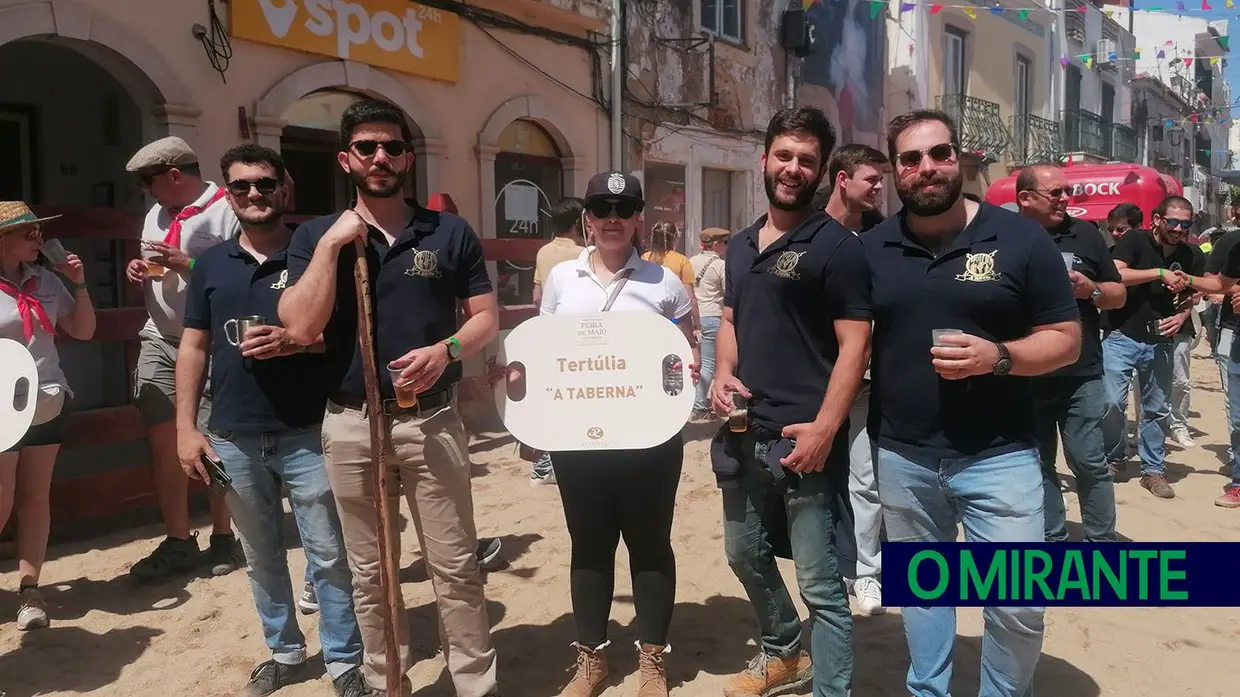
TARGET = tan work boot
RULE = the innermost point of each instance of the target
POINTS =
(652, 676)
(592, 672)
(768, 676)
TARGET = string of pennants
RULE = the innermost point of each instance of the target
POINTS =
(877, 7)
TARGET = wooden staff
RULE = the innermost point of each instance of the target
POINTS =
(379, 442)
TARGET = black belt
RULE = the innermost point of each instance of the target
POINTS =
(431, 401)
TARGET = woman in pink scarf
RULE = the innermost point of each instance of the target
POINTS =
(34, 301)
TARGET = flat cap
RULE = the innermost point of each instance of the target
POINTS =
(165, 152)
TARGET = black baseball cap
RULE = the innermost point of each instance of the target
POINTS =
(612, 186)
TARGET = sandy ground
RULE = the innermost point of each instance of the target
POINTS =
(202, 638)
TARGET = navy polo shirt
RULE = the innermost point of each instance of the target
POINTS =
(784, 300)
(415, 285)
(1091, 259)
(1149, 302)
(248, 394)
(1000, 277)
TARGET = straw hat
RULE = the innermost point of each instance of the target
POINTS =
(17, 213)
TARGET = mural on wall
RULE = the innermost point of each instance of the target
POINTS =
(844, 71)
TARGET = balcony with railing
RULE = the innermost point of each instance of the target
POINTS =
(1123, 143)
(981, 128)
(1034, 139)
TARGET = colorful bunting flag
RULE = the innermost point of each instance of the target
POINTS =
(1224, 40)
(907, 7)
(997, 9)
(1230, 5)
(1205, 6)
(935, 9)
(969, 12)
(876, 8)
(1188, 62)
(1063, 61)
(1024, 14)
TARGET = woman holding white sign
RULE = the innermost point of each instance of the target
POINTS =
(609, 494)
(33, 302)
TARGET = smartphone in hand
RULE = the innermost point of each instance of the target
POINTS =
(219, 482)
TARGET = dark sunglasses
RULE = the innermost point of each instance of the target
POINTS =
(624, 209)
(1173, 223)
(367, 148)
(1053, 193)
(941, 154)
(1118, 228)
(265, 185)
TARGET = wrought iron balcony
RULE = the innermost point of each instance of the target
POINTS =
(1034, 139)
(1085, 131)
(1123, 143)
(982, 132)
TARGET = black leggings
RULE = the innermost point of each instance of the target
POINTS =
(614, 493)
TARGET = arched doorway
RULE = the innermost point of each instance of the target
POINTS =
(67, 148)
(529, 178)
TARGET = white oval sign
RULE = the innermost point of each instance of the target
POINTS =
(607, 381)
(17, 372)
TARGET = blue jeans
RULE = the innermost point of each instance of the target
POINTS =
(812, 514)
(710, 329)
(259, 463)
(1233, 416)
(998, 499)
(1075, 407)
(1121, 357)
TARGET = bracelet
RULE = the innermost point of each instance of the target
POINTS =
(192, 260)
(76, 287)
(1160, 272)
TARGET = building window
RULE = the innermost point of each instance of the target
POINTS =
(722, 18)
(665, 196)
(1020, 105)
(528, 178)
(1108, 103)
(716, 199)
(953, 61)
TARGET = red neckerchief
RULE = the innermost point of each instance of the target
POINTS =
(173, 238)
(28, 306)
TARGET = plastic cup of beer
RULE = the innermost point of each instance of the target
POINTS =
(155, 269)
(406, 398)
(738, 418)
(937, 335)
(1069, 259)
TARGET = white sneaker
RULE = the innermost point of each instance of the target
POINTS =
(32, 614)
(1182, 438)
(869, 594)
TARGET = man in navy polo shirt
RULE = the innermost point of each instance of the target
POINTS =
(422, 264)
(970, 300)
(796, 324)
(265, 428)
(1156, 266)
(1072, 401)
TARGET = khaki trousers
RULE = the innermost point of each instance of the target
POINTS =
(430, 461)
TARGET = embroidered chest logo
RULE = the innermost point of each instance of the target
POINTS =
(425, 264)
(785, 265)
(979, 268)
(282, 283)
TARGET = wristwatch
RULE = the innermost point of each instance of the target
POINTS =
(1093, 297)
(454, 348)
(1003, 366)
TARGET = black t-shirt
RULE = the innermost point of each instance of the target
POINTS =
(1001, 277)
(1225, 259)
(1150, 302)
(248, 394)
(415, 284)
(784, 302)
(1092, 260)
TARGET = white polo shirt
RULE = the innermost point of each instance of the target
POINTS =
(165, 297)
(57, 302)
(573, 288)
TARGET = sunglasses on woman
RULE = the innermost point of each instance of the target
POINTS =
(624, 209)
(265, 185)
(942, 154)
(368, 148)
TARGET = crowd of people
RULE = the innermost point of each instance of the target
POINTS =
(902, 377)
